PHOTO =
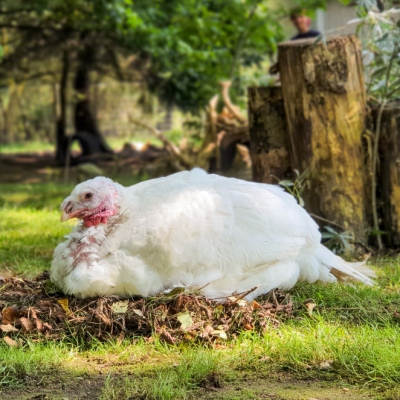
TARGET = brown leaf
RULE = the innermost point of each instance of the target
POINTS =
(35, 319)
(255, 305)
(8, 328)
(10, 342)
(10, 314)
(310, 305)
(46, 326)
(325, 365)
(27, 324)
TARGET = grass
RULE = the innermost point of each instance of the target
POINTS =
(353, 330)
(114, 142)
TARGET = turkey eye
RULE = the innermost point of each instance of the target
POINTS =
(88, 196)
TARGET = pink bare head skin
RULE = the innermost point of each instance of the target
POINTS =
(93, 201)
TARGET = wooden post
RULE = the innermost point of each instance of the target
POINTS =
(388, 179)
(325, 103)
(269, 142)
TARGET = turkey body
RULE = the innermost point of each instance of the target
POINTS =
(221, 235)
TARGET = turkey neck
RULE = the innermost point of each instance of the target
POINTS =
(89, 244)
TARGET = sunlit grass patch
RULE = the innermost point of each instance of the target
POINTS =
(28, 250)
(30, 359)
(29, 234)
(190, 371)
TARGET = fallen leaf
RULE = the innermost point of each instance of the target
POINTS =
(9, 315)
(242, 303)
(186, 320)
(8, 328)
(138, 312)
(346, 390)
(120, 307)
(10, 342)
(220, 333)
(310, 307)
(27, 324)
(255, 305)
(36, 320)
(64, 304)
(325, 365)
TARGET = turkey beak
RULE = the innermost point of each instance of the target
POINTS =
(68, 212)
(65, 216)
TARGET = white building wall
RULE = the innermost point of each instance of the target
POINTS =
(333, 21)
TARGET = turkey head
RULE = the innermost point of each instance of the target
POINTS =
(93, 201)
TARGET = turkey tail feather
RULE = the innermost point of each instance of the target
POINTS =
(345, 271)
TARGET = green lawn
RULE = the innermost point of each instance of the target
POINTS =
(348, 348)
(115, 143)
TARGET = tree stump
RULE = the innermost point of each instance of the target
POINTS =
(388, 178)
(325, 104)
(269, 142)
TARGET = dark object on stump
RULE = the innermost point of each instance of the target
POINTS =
(388, 179)
(269, 142)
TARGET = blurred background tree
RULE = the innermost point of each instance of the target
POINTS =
(174, 50)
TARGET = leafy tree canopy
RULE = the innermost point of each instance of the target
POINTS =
(183, 47)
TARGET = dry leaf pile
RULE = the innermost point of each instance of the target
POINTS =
(34, 308)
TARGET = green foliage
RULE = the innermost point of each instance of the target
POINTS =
(380, 34)
(182, 47)
(337, 241)
(296, 187)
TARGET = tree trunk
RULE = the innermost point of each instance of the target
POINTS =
(325, 104)
(11, 127)
(85, 123)
(269, 142)
(60, 103)
(388, 178)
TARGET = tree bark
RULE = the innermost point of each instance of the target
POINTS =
(11, 131)
(269, 142)
(61, 111)
(325, 103)
(85, 123)
(388, 179)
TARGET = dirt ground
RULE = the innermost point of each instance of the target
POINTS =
(90, 387)
(41, 167)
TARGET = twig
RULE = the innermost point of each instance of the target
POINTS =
(174, 150)
(243, 295)
(227, 101)
(328, 221)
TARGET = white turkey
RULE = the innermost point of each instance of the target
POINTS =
(219, 235)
